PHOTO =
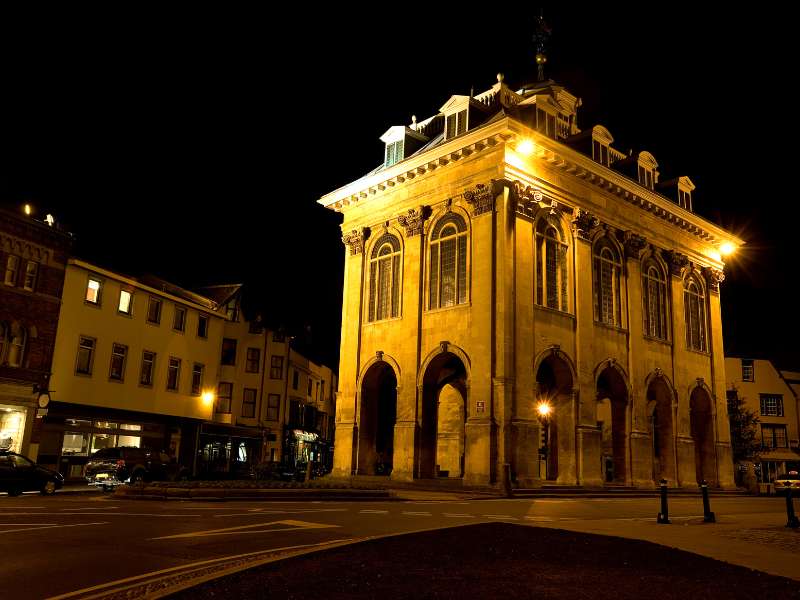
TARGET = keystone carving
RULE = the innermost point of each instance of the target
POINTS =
(355, 240)
(481, 197)
(583, 223)
(676, 261)
(713, 278)
(414, 220)
(379, 355)
(633, 243)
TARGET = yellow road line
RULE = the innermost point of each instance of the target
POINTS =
(293, 525)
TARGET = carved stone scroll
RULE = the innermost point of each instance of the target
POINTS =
(355, 240)
(481, 197)
(414, 220)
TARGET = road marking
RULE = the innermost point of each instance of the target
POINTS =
(188, 567)
(458, 515)
(254, 512)
(51, 527)
(538, 518)
(373, 512)
(417, 514)
(89, 508)
(501, 517)
(24, 524)
(293, 525)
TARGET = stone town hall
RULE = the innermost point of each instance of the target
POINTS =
(501, 259)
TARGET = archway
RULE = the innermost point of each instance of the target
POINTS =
(659, 409)
(378, 416)
(701, 422)
(612, 403)
(555, 384)
(444, 393)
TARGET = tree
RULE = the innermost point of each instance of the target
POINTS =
(744, 432)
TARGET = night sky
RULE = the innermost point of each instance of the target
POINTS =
(194, 146)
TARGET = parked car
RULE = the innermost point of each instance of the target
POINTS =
(270, 471)
(786, 481)
(109, 467)
(20, 474)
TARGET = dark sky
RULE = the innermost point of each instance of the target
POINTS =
(195, 145)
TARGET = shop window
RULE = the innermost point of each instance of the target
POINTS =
(12, 428)
(103, 440)
(129, 440)
(76, 443)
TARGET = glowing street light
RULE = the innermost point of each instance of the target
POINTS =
(208, 398)
(544, 409)
(27, 209)
(727, 248)
(526, 147)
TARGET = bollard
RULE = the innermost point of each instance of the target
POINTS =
(792, 520)
(663, 516)
(708, 516)
(507, 481)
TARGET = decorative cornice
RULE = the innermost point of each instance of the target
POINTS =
(633, 243)
(676, 261)
(583, 222)
(713, 278)
(414, 220)
(481, 197)
(355, 240)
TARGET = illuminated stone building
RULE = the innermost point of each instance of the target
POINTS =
(500, 258)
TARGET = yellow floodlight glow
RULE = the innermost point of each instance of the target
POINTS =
(526, 147)
(544, 409)
(27, 209)
(208, 398)
(727, 248)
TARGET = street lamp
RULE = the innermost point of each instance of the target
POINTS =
(544, 410)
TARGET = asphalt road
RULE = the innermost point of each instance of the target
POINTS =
(94, 545)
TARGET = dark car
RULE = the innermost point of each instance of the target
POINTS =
(110, 467)
(790, 480)
(20, 474)
(278, 472)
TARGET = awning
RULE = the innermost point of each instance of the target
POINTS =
(306, 436)
(779, 454)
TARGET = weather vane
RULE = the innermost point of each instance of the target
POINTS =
(541, 36)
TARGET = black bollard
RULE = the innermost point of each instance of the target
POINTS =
(663, 516)
(708, 516)
(792, 520)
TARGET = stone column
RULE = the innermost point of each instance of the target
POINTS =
(346, 448)
(722, 431)
(587, 437)
(640, 444)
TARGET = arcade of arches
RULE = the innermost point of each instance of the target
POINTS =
(442, 437)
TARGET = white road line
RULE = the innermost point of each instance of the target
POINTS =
(89, 508)
(15, 506)
(501, 517)
(24, 524)
(458, 515)
(255, 512)
(545, 519)
(417, 514)
(52, 527)
(373, 512)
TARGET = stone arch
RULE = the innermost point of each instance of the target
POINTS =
(377, 415)
(442, 211)
(377, 236)
(701, 423)
(443, 386)
(555, 378)
(661, 412)
(380, 356)
(612, 406)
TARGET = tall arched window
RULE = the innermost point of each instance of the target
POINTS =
(384, 279)
(448, 268)
(694, 302)
(16, 347)
(606, 276)
(654, 293)
(551, 266)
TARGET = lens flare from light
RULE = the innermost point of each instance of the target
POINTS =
(727, 248)
(526, 147)
(544, 409)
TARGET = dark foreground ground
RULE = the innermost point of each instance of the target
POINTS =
(499, 560)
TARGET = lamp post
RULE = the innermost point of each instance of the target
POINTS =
(544, 409)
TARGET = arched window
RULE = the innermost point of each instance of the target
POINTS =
(551, 266)
(448, 269)
(384, 279)
(694, 302)
(16, 347)
(606, 278)
(654, 294)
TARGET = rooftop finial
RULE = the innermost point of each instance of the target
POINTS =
(414, 122)
(540, 38)
(500, 77)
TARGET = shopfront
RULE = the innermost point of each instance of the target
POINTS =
(228, 452)
(12, 427)
(71, 434)
(302, 446)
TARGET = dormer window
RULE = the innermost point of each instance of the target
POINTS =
(601, 145)
(600, 153)
(456, 124)
(394, 153)
(685, 199)
(648, 174)
(545, 123)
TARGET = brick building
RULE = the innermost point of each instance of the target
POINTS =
(33, 256)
